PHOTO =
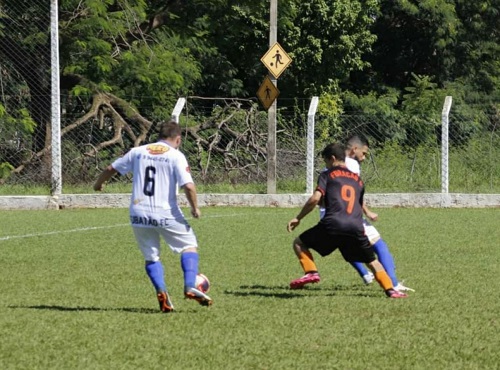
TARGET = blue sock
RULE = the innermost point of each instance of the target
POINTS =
(189, 263)
(385, 258)
(155, 273)
(360, 268)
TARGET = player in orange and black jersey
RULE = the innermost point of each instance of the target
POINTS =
(342, 226)
(341, 191)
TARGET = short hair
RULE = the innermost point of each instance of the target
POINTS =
(357, 139)
(335, 149)
(169, 130)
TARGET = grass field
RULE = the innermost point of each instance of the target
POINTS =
(74, 295)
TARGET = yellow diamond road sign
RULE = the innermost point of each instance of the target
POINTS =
(276, 60)
(267, 92)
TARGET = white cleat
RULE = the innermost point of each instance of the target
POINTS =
(198, 296)
(401, 288)
(368, 278)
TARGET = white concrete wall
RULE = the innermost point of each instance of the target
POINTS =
(98, 200)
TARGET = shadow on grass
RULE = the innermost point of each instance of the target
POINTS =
(263, 294)
(79, 308)
(284, 292)
(276, 291)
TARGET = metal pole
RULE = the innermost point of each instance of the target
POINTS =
(56, 188)
(176, 113)
(310, 144)
(445, 145)
(445, 115)
(271, 113)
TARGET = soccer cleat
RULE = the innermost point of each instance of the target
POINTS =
(165, 303)
(401, 288)
(309, 278)
(392, 293)
(198, 296)
(368, 278)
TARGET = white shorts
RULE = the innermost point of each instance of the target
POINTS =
(179, 236)
(371, 232)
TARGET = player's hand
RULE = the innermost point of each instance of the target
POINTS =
(292, 224)
(195, 212)
(372, 216)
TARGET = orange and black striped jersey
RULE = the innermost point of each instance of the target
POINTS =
(343, 193)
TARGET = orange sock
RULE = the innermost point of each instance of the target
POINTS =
(383, 279)
(307, 262)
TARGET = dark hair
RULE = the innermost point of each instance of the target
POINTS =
(335, 149)
(169, 130)
(357, 139)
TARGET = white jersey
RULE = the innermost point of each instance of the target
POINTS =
(157, 171)
(370, 230)
(353, 165)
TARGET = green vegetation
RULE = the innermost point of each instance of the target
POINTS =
(472, 169)
(390, 169)
(75, 295)
(125, 63)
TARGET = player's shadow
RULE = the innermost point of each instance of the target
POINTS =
(80, 308)
(271, 291)
(352, 290)
(284, 292)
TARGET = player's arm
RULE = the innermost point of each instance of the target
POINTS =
(105, 175)
(368, 213)
(311, 204)
(192, 198)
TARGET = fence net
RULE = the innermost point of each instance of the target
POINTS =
(225, 140)
(25, 106)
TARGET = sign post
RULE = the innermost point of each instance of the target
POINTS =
(271, 113)
(276, 61)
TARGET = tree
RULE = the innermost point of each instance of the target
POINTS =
(327, 40)
(414, 37)
(120, 63)
(478, 47)
(25, 58)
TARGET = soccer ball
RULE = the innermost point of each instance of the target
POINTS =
(202, 283)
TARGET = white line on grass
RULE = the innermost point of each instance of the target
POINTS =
(10, 237)
(60, 232)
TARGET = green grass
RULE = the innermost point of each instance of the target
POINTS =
(74, 295)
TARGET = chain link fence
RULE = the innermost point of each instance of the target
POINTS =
(225, 140)
(405, 153)
(407, 156)
(25, 88)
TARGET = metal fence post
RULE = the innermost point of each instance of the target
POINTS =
(445, 115)
(56, 165)
(310, 144)
(179, 106)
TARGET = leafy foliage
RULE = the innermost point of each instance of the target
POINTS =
(124, 63)
(109, 47)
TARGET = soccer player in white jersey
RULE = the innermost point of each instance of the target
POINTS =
(158, 169)
(357, 149)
